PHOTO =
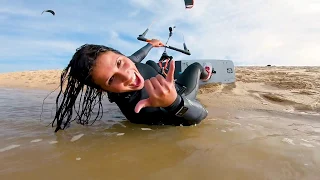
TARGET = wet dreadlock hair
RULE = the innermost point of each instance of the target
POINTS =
(79, 80)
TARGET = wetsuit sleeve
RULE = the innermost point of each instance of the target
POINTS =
(139, 55)
(157, 116)
(195, 113)
(150, 116)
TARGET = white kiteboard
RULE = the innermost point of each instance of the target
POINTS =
(223, 70)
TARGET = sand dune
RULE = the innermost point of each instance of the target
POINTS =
(43, 79)
(270, 88)
(273, 88)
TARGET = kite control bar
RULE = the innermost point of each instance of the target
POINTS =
(185, 50)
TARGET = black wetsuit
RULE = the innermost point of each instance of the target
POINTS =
(157, 115)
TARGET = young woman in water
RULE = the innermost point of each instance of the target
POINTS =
(142, 93)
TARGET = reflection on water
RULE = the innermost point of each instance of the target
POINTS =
(228, 145)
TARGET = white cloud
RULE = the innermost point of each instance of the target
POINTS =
(256, 32)
(252, 32)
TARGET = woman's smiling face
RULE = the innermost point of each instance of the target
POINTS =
(116, 73)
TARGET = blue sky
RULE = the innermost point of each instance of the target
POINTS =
(251, 32)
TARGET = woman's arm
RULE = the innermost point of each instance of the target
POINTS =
(139, 55)
(143, 52)
(181, 112)
(186, 110)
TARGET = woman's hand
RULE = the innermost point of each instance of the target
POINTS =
(156, 43)
(161, 91)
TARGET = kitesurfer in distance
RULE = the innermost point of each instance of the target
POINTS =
(142, 93)
(49, 11)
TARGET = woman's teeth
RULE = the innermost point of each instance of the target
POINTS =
(134, 83)
(134, 79)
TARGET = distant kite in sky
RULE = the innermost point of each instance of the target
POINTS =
(188, 4)
(50, 11)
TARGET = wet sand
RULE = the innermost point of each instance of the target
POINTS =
(264, 126)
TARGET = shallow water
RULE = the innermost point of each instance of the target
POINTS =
(228, 145)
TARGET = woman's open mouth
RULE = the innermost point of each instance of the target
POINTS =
(136, 81)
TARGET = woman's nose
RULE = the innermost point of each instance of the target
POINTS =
(124, 76)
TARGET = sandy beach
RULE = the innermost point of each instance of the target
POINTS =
(273, 88)
(270, 88)
(264, 126)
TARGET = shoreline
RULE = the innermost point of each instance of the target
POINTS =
(291, 88)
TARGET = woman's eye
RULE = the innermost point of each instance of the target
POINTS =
(112, 78)
(118, 63)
